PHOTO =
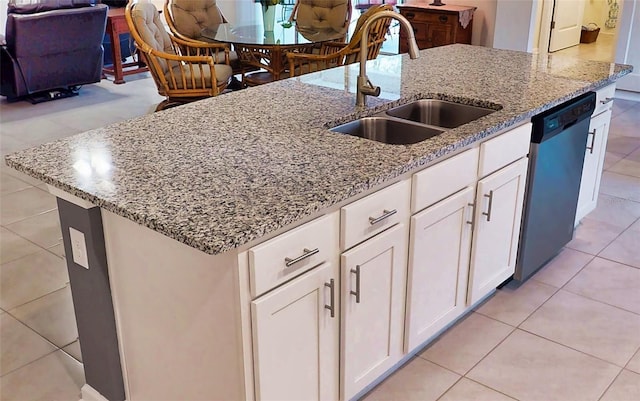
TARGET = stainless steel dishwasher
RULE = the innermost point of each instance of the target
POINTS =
(556, 156)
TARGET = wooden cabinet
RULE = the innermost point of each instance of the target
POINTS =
(595, 153)
(295, 339)
(372, 296)
(497, 220)
(435, 26)
(438, 266)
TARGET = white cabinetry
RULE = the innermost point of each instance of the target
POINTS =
(595, 153)
(373, 286)
(295, 328)
(497, 228)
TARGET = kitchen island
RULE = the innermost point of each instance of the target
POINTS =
(179, 209)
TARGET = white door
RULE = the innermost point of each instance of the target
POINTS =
(567, 24)
(440, 243)
(373, 294)
(593, 164)
(497, 228)
(295, 339)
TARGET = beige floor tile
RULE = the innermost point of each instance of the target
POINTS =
(592, 236)
(621, 105)
(634, 363)
(611, 159)
(29, 202)
(622, 186)
(14, 247)
(609, 282)
(73, 349)
(624, 249)
(51, 316)
(57, 250)
(625, 387)
(527, 367)
(635, 156)
(17, 174)
(43, 229)
(626, 167)
(592, 327)
(31, 277)
(418, 380)
(563, 267)
(19, 345)
(468, 390)
(512, 304)
(54, 377)
(469, 347)
(621, 144)
(9, 183)
(615, 211)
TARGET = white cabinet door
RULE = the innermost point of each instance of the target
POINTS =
(440, 243)
(593, 164)
(497, 228)
(373, 296)
(295, 339)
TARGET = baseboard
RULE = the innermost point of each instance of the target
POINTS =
(90, 394)
(627, 95)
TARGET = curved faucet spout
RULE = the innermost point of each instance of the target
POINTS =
(365, 87)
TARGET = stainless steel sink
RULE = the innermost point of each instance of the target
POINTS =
(440, 113)
(387, 130)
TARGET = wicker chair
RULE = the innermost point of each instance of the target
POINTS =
(334, 54)
(187, 18)
(183, 71)
(325, 15)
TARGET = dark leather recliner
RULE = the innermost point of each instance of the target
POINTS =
(51, 45)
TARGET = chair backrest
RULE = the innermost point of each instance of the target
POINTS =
(377, 33)
(148, 31)
(323, 15)
(187, 18)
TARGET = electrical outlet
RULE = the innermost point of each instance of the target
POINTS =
(78, 248)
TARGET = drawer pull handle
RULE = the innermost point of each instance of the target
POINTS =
(357, 291)
(410, 15)
(593, 141)
(386, 214)
(443, 18)
(332, 305)
(607, 100)
(472, 206)
(488, 212)
(307, 254)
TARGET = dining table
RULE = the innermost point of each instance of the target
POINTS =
(266, 50)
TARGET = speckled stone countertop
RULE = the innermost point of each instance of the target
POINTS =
(222, 172)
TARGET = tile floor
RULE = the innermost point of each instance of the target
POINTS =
(570, 333)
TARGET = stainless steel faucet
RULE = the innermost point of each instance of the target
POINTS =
(365, 87)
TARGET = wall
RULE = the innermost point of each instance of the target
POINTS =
(628, 44)
(515, 25)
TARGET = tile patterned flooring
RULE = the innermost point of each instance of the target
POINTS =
(570, 333)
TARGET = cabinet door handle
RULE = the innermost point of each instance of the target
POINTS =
(593, 141)
(472, 206)
(357, 291)
(488, 212)
(307, 254)
(443, 18)
(332, 305)
(607, 100)
(410, 15)
(385, 214)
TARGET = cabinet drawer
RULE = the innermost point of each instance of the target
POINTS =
(368, 216)
(428, 16)
(604, 98)
(504, 149)
(419, 30)
(292, 253)
(443, 179)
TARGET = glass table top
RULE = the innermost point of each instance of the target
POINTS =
(282, 34)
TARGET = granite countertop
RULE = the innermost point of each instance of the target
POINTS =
(222, 172)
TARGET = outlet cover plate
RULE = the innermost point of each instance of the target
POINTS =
(78, 248)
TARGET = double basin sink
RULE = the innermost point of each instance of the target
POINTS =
(413, 122)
